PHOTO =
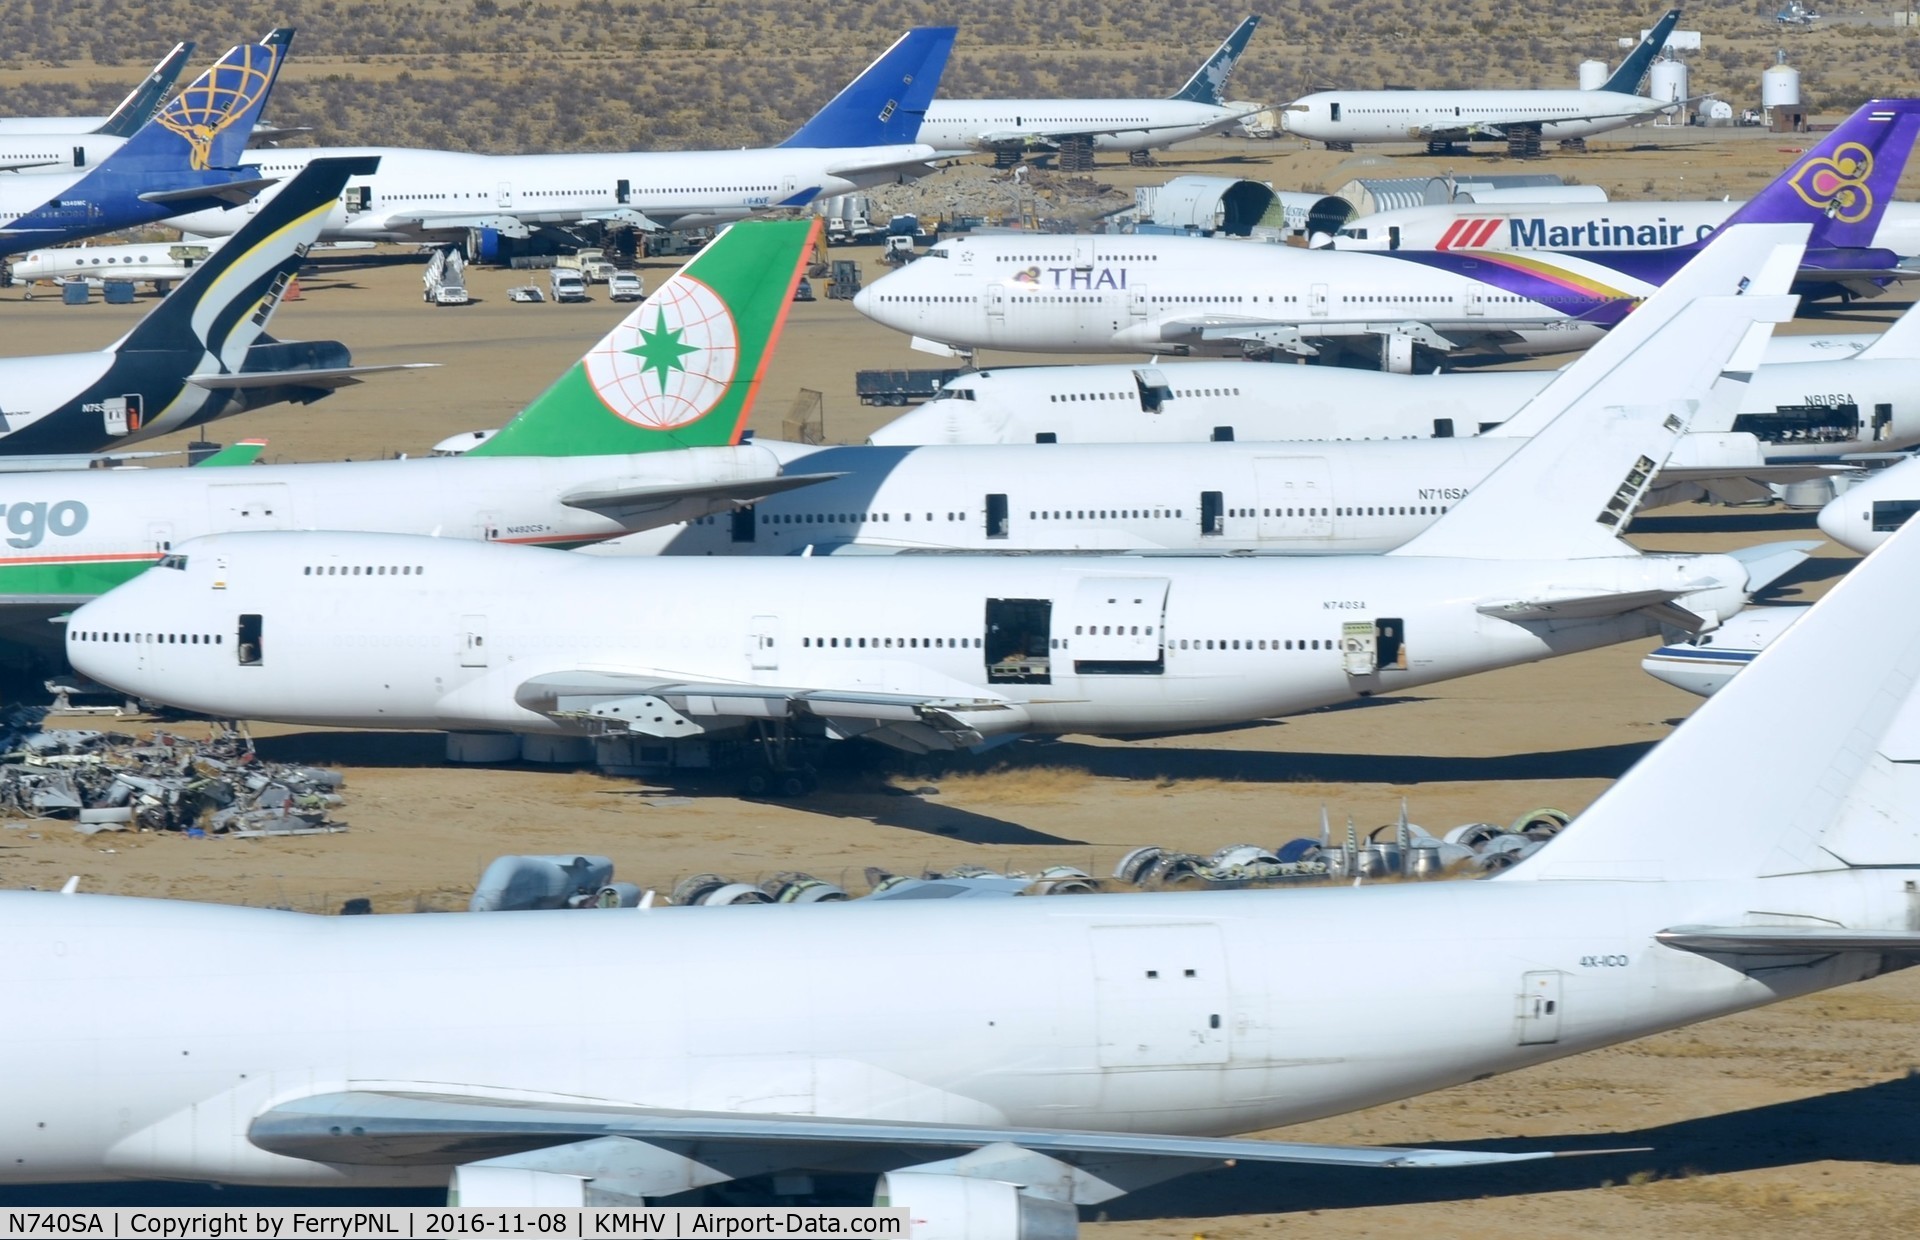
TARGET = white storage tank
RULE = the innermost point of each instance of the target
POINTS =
(1780, 87)
(1593, 74)
(1668, 83)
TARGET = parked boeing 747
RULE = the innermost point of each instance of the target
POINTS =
(1204, 296)
(1767, 850)
(933, 652)
(864, 136)
(1074, 129)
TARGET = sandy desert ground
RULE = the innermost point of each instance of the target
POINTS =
(1796, 1121)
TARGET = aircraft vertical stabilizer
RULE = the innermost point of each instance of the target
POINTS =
(224, 304)
(885, 104)
(1209, 82)
(207, 125)
(1570, 491)
(1626, 79)
(145, 99)
(1843, 185)
(683, 369)
(1804, 762)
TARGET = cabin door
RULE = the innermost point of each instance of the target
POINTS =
(1539, 1014)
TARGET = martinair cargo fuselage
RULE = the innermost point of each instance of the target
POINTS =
(1577, 226)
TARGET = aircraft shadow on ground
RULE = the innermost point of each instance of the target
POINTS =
(913, 813)
(1733, 521)
(1875, 1124)
(1596, 762)
(1808, 573)
(1872, 314)
(379, 749)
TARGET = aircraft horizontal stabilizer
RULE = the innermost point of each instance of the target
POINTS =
(328, 378)
(1659, 603)
(236, 192)
(625, 503)
(368, 1128)
(1767, 563)
(1788, 940)
(894, 159)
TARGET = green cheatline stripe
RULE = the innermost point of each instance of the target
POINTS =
(69, 577)
(752, 268)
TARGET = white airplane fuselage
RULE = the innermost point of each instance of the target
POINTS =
(161, 262)
(399, 632)
(420, 194)
(1202, 296)
(1582, 226)
(1410, 115)
(1797, 410)
(1115, 124)
(1166, 1013)
(76, 534)
(39, 152)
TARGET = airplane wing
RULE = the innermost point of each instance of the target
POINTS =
(1497, 127)
(1658, 603)
(51, 462)
(1041, 136)
(326, 378)
(1298, 335)
(923, 714)
(236, 192)
(1789, 940)
(893, 159)
(645, 505)
(365, 1127)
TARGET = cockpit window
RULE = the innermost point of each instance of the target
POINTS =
(954, 393)
(939, 251)
(174, 561)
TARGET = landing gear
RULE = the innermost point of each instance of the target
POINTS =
(1339, 146)
(1141, 159)
(1574, 144)
(786, 773)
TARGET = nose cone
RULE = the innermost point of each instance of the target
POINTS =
(1848, 519)
(863, 302)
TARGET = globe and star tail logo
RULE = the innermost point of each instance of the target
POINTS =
(671, 363)
(202, 111)
(1837, 184)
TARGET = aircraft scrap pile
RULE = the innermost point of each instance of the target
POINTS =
(109, 781)
(1395, 851)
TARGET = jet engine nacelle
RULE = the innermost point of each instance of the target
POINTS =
(958, 1207)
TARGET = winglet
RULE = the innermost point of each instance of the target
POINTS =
(1570, 491)
(1209, 82)
(885, 104)
(145, 99)
(1626, 79)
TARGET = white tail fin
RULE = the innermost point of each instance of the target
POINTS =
(1759, 260)
(1900, 342)
(1809, 760)
(1571, 489)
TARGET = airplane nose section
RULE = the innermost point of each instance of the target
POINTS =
(863, 302)
(1844, 524)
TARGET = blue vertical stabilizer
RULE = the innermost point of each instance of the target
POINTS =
(884, 105)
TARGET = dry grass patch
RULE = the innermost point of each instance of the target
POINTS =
(1018, 785)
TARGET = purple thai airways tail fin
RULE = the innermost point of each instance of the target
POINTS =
(1843, 185)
